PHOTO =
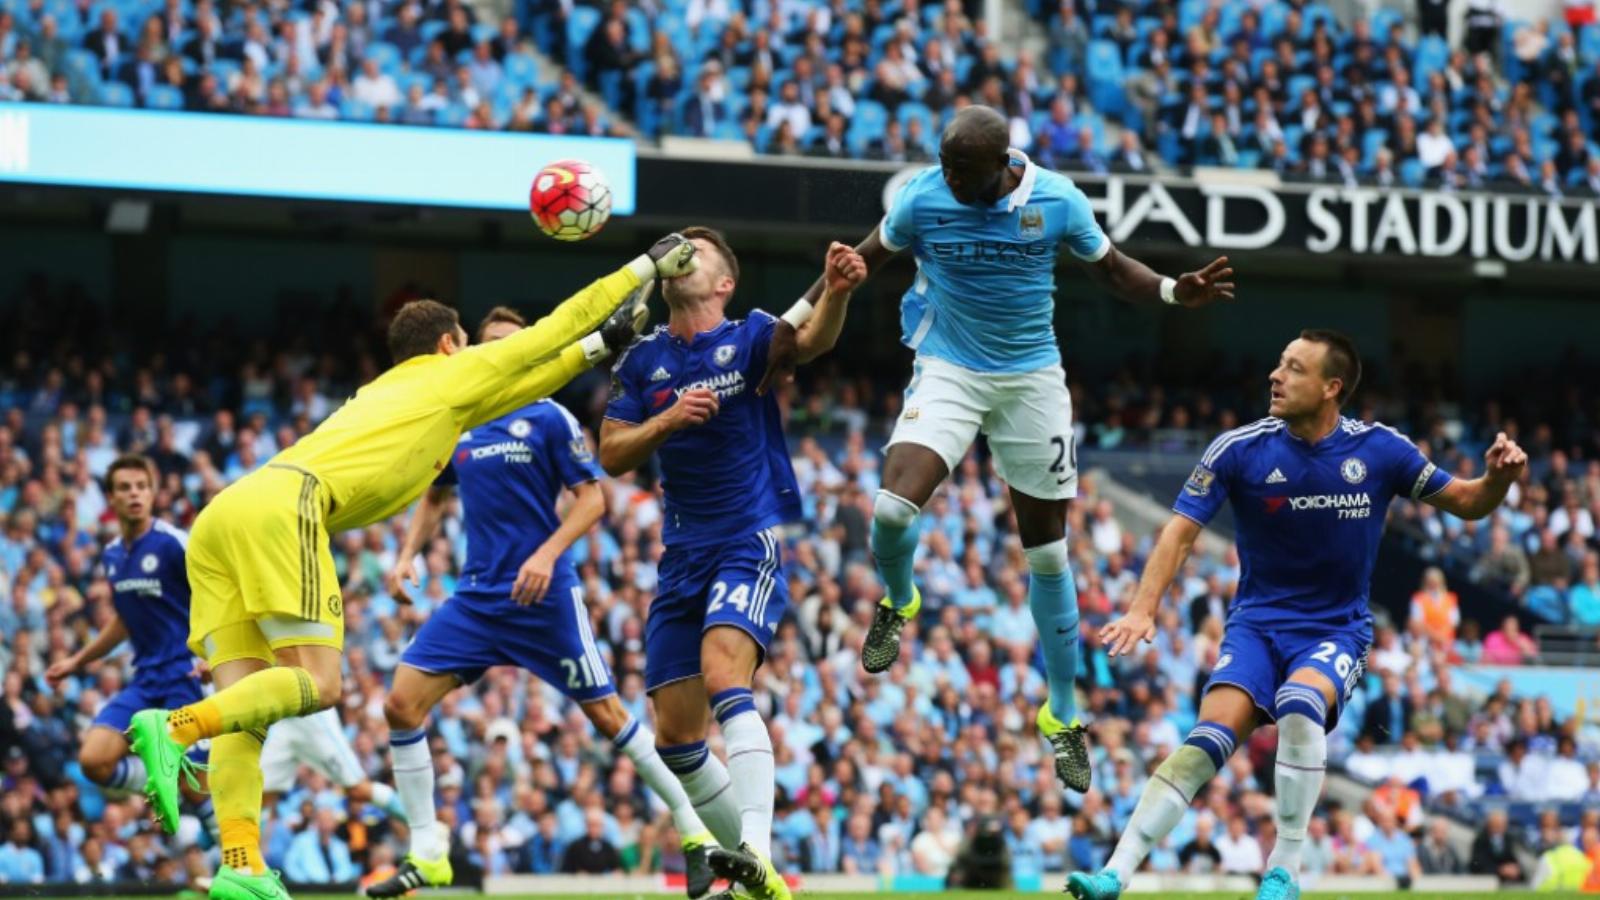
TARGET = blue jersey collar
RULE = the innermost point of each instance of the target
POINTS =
(722, 326)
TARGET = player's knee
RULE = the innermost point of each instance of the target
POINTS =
(98, 766)
(403, 713)
(893, 510)
(1302, 712)
(1049, 559)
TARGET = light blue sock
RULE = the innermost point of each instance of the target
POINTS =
(1053, 598)
(894, 545)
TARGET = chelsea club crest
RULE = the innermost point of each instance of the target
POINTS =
(1353, 470)
(520, 428)
(724, 354)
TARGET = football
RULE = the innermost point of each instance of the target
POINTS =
(570, 200)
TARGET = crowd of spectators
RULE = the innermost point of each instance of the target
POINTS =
(1280, 85)
(885, 774)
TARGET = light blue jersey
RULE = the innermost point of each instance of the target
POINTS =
(985, 288)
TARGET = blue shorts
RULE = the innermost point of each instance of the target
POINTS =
(156, 690)
(738, 583)
(468, 634)
(1259, 659)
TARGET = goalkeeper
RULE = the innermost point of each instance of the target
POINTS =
(265, 609)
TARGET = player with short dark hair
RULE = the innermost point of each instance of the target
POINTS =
(986, 226)
(150, 609)
(519, 602)
(682, 394)
(1310, 490)
(267, 610)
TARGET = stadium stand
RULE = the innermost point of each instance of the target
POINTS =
(1277, 86)
(876, 774)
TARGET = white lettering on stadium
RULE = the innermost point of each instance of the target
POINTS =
(726, 385)
(1362, 220)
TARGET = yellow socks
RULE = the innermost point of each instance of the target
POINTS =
(255, 701)
(236, 795)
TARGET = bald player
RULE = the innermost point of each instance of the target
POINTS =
(985, 226)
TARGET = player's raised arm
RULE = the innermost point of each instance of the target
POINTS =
(1122, 636)
(783, 354)
(490, 380)
(843, 271)
(1134, 282)
(1504, 463)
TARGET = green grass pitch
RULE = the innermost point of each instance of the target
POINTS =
(994, 895)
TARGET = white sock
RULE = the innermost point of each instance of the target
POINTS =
(706, 782)
(207, 814)
(1161, 807)
(751, 765)
(413, 777)
(1302, 763)
(639, 744)
(129, 775)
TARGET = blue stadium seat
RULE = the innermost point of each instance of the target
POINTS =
(163, 96)
(83, 64)
(738, 78)
(355, 110)
(453, 116)
(1589, 43)
(1314, 13)
(482, 32)
(581, 23)
(521, 69)
(1371, 142)
(225, 70)
(913, 110)
(1273, 17)
(1299, 84)
(1382, 20)
(639, 31)
(1104, 68)
(611, 88)
(1411, 172)
(385, 54)
(1432, 55)
(431, 29)
(115, 93)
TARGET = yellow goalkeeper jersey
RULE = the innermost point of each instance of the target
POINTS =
(385, 445)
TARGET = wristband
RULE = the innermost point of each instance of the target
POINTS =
(799, 313)
(1169, 294)
(644, 268)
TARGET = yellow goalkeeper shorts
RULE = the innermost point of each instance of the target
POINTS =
(261, 576)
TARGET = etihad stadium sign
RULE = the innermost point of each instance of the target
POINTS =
(1226, 215)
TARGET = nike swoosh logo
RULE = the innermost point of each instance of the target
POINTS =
(1063, 630)
(943, 221)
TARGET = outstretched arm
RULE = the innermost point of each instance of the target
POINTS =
(1134, 282)
(1474, 499)
(107, 640)
(1138, 624)
(784, 352)
(843, 271)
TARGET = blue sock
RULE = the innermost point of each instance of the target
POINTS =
(684, 759)
(1215, 740)
(732, 702)
(894, 545)
(1053, 598)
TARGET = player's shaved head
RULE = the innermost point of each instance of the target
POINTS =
(976, 130)
(974, 155)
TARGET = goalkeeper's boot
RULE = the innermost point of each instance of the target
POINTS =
(165, 761)
(414, 872)
(748, 869)
(1278, 884)
(232, 884)
(697, 865)
(882, 646)
(1071, 745)
(1099, 886)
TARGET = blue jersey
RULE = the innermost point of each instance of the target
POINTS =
(730, 477)
(150, 590)
(510, 472)
(984, 295)
(1309, 515)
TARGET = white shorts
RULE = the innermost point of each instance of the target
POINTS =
(1027, 417)
(317, 741)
